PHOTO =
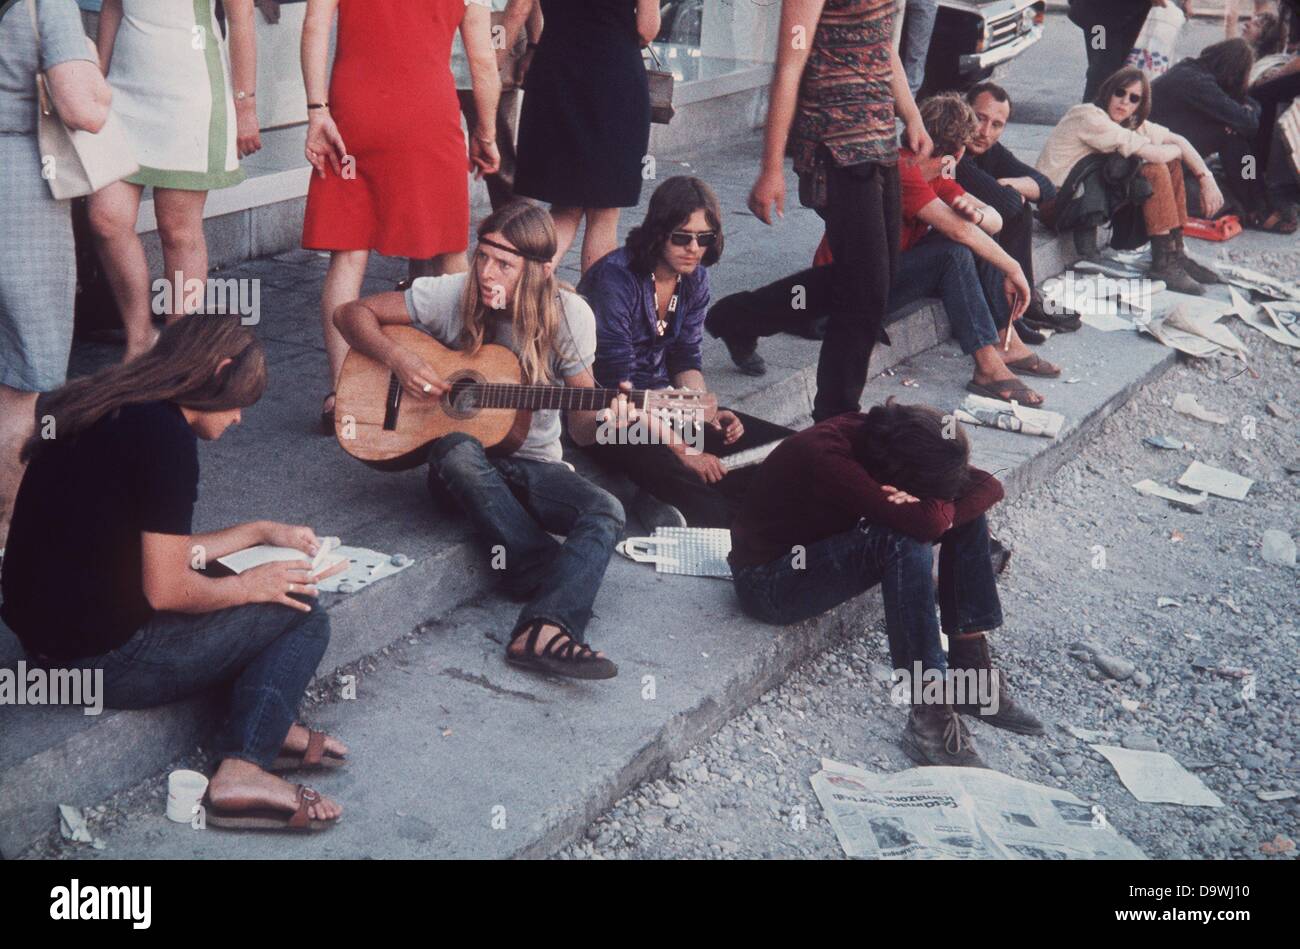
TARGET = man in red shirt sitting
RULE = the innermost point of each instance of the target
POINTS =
(858, 500)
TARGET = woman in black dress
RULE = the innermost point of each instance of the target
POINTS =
(585, 127)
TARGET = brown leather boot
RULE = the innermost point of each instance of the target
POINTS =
(1197, 271)
(1166, 266)
(971, 651)
(936, 735)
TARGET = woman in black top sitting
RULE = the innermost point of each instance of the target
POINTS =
(108, 499)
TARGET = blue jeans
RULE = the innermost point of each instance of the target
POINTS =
(918, 25)
(843, 566)
(267, 652)
(969, 286)
(517, 503)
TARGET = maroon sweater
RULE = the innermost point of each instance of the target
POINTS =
(813, 486)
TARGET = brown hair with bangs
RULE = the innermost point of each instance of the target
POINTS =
(671, 206)
(1122, 79)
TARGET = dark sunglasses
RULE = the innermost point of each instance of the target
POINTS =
(1133, 97)
(705, 239)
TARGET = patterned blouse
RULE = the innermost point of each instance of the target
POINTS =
(845, 100)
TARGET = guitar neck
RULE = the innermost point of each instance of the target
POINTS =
(500, 395)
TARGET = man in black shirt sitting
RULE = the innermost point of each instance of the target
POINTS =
(993, 174)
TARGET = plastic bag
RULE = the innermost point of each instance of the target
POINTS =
(1153, 52)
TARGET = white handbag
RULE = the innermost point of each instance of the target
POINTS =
(77, 163)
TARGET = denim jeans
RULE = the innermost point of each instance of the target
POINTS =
(918, 25)
(267, 652)
(517, 504)
(843, 566)
(970, 288)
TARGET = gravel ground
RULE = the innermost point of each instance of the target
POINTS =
(745, 792)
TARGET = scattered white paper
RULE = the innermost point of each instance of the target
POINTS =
(72, 824)
(1010, 416)
(1148, 487)
(1225, 484)
(1186, 403)
(1154, 777)
(1265, 319)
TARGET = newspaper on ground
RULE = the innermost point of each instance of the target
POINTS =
(1010, 416)
(1268, 319)
(1191, 502)
(1225, 484)
(1154, 777)
(365, 566)
(961, 813)
(1263, 284)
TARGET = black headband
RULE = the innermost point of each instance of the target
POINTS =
(535, 258)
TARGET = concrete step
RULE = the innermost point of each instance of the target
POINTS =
(456, 754)
(274, 466)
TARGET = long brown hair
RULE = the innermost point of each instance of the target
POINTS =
(916, 448)
(181, 368)
(534, 308)
(1122, 79)
(1230, 63)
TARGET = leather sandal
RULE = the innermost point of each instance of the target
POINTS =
(1034, 366)
(562, 656)
(268, 818)
(1007, 390)
(314, 757)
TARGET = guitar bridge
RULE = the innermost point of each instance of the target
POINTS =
(393, 403)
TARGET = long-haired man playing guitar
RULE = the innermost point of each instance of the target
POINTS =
(511, 297)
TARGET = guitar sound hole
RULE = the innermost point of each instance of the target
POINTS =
(462, 401)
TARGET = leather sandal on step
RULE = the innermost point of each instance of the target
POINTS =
(263, 817)
(314, 757)
(562, 655)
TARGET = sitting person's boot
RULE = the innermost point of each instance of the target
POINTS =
(1038, 316)
(936, 735)
(971, 651)
(1166, 266)
(744, 353)
(1198, 272)
(1085, 243)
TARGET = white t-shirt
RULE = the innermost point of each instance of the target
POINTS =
(434, 305)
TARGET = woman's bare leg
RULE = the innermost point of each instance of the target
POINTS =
(601, 235)
(184, 247)
(113, 212)
(566, 229)
(342, 285)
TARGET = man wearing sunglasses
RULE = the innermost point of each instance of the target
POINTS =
(649, 298)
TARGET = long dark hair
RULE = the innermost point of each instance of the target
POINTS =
(1122, 79)
(181, 368)
(1230, 63)
(671, 206)
(916, 448)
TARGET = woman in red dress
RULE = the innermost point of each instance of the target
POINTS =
(398, 185)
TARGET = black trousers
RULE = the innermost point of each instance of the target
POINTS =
(863, 216)
(1120, 22)
(1017, 239)
(658, 470)
(1272, 95)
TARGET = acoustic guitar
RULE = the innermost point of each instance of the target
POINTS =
(379, 422)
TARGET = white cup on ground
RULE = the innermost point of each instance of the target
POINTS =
(185, 790)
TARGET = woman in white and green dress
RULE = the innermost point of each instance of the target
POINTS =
(186, 97)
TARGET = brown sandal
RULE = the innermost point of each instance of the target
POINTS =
(314, 757)
(562, 656)
(1034, 366)
(269, 818)
(1006, 390)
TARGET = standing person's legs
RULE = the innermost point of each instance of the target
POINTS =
(113, 211)
(342, 285)
(184, 247)
(567, 220)
(863, 238)
(600, 236)
(501, 186)
(1109, 35)
(915, 47)
(17, 423)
